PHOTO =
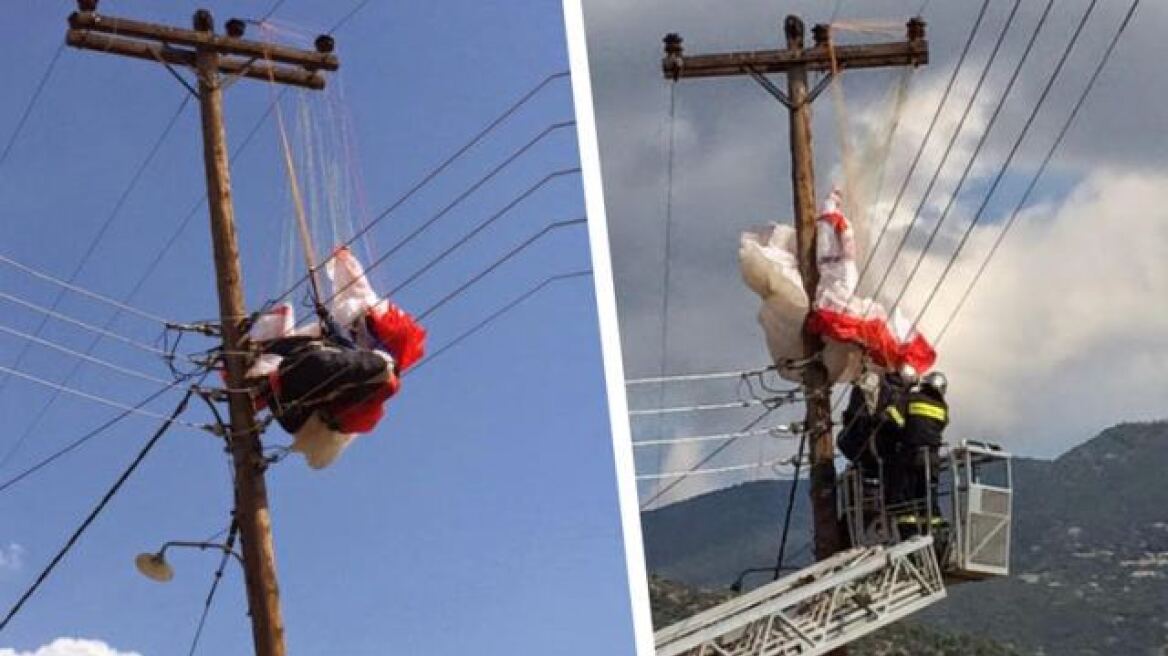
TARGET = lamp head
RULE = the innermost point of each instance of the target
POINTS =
(154, 567)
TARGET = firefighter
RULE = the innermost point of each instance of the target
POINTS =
(926, 416)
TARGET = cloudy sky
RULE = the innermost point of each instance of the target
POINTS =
(1064, 334)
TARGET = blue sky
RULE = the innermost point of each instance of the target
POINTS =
(481, 515)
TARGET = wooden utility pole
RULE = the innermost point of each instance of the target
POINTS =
(796, 61)
(212, 56)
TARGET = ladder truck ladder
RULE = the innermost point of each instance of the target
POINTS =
(816, 609)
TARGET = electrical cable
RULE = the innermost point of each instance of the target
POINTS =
(924, 143)
(101, 333)
(699, 377)
(81, 356)
(434, 172)
(790, 507)
(82, 440)
(771, 431)
(499, 262)
(497, 313)
(710, 456)
(104, 228)
(1038, 174)
(109, 495)
(36, 94)
(985, 135)
(92, 397)
(917, 213)
(230, 544)
(81, 324)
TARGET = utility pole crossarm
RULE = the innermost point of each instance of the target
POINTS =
(913, 52)
(180, 47)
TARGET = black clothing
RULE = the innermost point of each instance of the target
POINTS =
(316, 376)
(926, 418)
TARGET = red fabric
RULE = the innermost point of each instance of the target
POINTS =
(364, 416)
(836, 220)
(403, 337)
(877, 340)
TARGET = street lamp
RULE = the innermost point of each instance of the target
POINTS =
(154, 566)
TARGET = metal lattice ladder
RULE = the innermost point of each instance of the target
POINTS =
(816, 609)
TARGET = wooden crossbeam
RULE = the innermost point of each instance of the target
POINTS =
(819, 58)
(157, 52)
(125, 27)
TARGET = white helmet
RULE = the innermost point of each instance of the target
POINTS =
(937, 381)
(908, 374)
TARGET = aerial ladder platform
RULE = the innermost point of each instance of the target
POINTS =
(883, 579)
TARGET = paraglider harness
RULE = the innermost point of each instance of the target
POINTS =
(330, 375)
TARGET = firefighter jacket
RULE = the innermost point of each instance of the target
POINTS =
(926, 416)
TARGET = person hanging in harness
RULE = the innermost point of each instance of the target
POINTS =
(329, 382)
(927, 415)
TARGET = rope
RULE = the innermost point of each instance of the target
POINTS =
(293, 182)
(109, 495)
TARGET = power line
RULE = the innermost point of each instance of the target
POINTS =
(138, 285)
(81, 356)
(682, 378)
(775, 462)
(499, 312)
(1034, 180)
(92, 397)
(499, 262)
(81, 324)
(957, 133)
(772, 431)
(96, 240)
(924, 141)
(36, 94)
(702, 407)
(109, 495)
(81, 290)
(710, 456)
(83, 439)
(230, 544)
(985, 135)
(480, 227)
(442, 166)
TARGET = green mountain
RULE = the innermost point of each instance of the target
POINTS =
(1089, 553)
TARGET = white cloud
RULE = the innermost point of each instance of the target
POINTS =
(11, 557)
(1065, 333)
(70, 647)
